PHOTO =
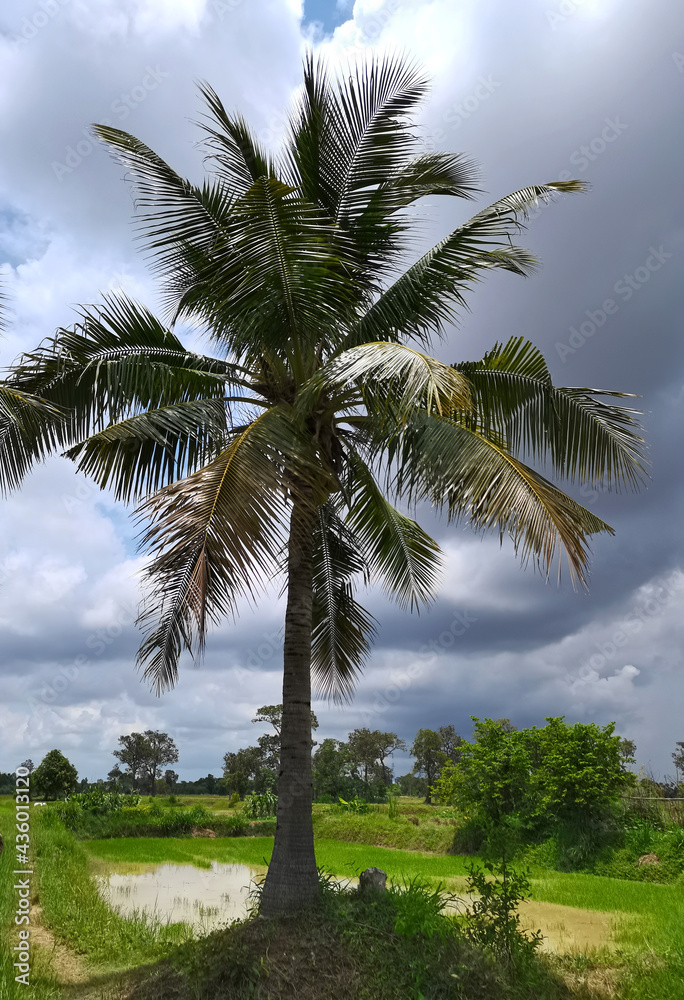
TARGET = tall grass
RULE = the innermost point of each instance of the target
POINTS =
(76, 913)
(42, 983)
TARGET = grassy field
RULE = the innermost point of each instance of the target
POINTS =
(81, 939)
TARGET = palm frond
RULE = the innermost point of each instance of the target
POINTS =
(584, 437)
(213, 538)
(475, 479)
(153, 449)
(395, 548)
(346, 139)
(342, 629)
(232, 146)
(396, 379)
(173, 213)
(427, 295)
(280, 279)
(30, 428)
(119, 359)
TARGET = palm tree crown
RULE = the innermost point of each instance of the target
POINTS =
(322, 409)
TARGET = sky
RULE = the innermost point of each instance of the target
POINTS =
(533, 91)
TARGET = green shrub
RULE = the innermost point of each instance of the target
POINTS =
(493, 921)
(419, 907)
(257, 806)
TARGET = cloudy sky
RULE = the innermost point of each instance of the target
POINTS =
(533, 91)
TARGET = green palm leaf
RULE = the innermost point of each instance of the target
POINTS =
(586, 438)
(214, 538)
(396, 549)
(342, 629)
(151, 450)
(117, 359)
(424, 299)
(475, 478)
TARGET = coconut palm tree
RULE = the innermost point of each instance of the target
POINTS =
(322, 418)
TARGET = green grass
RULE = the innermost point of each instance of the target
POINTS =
(335, 856)
(76, 913)
(430, 834)
(43, 984)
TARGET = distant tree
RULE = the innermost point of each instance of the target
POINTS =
(161, 750)
(367, 751)
(132, 752)
(29, 765)
(505, 725)
(450, 743)
(269, 746)
(331, 770)
(145, 754)
(539, 777)
(273, 714)
(430, 758)
(411, 784)
(120, 781)
(171, 779)
(627, 751)
(7, 782)
(55, 776)
(241, 769)
(678, 758)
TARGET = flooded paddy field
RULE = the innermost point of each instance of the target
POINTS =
(206, 893)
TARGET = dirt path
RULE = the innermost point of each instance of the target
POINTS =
(67, 966)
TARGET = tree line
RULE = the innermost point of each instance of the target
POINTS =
(359, 766)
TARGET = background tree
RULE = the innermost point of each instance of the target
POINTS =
(678, 759)
(269, 746)
(241, 770)
(132, 752)
(159, 750)
(450, 743)
(295, 444)
(29, 765)
(627, 752)
(170, 779)
(55, 777)
(411, 784)
(367, 751)
(332, 771)
(430, 758)
(541, 779)
(145, 754)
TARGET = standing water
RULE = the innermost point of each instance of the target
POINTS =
(205, 898)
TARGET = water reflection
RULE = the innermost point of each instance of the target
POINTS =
(205, 898)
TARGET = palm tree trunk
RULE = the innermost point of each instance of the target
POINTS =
(292, 880)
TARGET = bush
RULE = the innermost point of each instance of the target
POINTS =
(493, 922)
(559, 777)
